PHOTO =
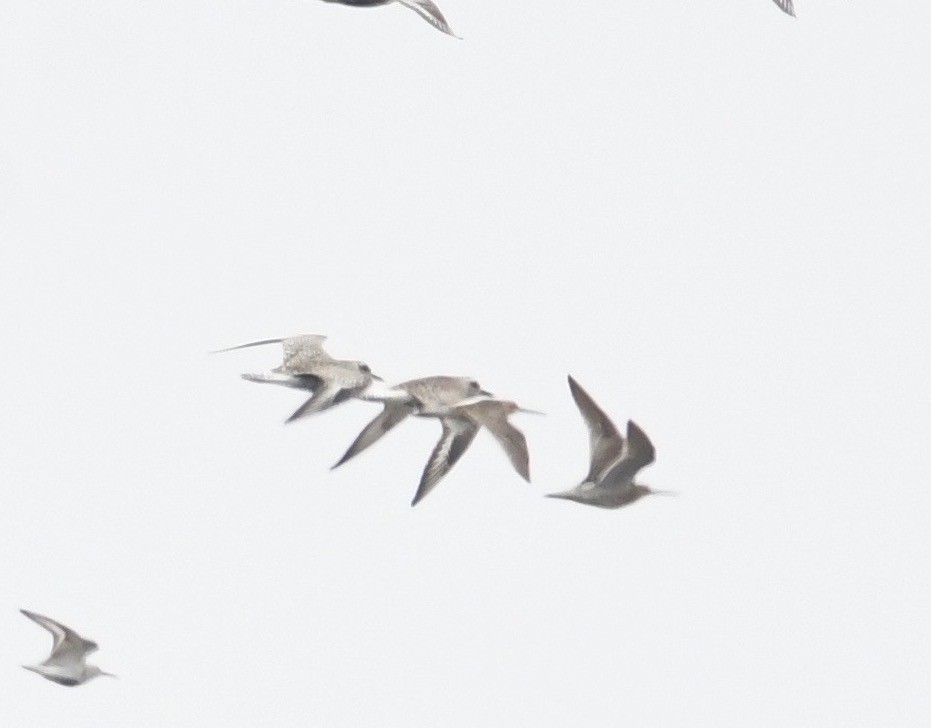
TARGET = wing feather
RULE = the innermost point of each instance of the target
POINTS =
(514, 444)
(605, 442)
(455, 440)
(638, 453)
(67, 645)
(387, 419)
(490, 414)
(428, 10)
(327, 396)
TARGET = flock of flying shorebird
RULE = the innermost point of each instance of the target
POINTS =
(428, 10)
(459, 403)
(461, 406)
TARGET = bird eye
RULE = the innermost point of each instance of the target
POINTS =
(364, 367)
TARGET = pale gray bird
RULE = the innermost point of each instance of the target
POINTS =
(614, 460)
(426, 9)
(299, 352)
(337, 380)
(427, 396)
(66, 665)
(306, 365)
(786, 6)
(461, 422)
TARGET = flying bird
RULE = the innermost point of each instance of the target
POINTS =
(66, 665)
(337, 380)
(614, 460)
(461, 422)
(306, 365)
(426, 9)
(427, 396)
(786, 6)
(298, 353)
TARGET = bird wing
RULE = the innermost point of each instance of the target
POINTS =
(67, 645)
(263, 342)
(428, 10)
(290, 344)
(283, 378)
(786, 6)
(638, 453)
(488, 413)
(514, 444)
(327, 396)
(303, 361)
(605, 442)
(458, 434)
(390, 416)
(306, 345)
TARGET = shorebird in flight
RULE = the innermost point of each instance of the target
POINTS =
(66, 665)
(337, 381)
(305, 365)
(427, 396)
(299, 352)
(426, 9)
(461, 422)
(786, 6)
(614, 460)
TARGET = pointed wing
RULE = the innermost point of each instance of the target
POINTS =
(605, 442)
(263, 342)
(291, 345)
(67, 645)
(428, 10)
(489, 413)
(786, 6)
(327, 396)
(295, 381)
(514, 444)
(455, 440)
(390, 416)
(638, 453)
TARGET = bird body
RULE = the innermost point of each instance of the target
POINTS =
(614, 460)
(66, 665)
(336, 380)
(602, 496)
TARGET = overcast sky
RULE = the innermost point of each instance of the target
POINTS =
(714, 216)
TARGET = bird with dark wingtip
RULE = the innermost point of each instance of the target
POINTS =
(614, 460)
(786, 6)
(307, 366)
(426, 9)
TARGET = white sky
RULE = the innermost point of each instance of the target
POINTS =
(716, 218)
